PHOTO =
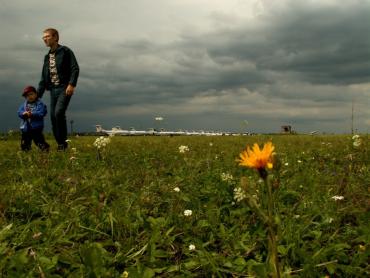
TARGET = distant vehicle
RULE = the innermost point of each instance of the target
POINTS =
(313, 132)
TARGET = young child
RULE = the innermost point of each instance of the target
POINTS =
(32, 113)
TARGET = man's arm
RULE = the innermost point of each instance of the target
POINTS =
(42, 83)
(75, 70)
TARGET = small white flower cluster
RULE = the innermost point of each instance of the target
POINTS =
(183, 149)
(176, 189)
(226, 177)
(191, 247)
(239, 194)
(337, 198)
(188, 212)
(101, 142)
(329, 220)
(357, 141)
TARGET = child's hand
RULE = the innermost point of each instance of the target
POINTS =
(27, 114)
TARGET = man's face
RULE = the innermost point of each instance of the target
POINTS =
(49, 39)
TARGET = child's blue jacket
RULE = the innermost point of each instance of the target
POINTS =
(36, 121)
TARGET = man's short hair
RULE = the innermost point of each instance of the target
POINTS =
(53, 32)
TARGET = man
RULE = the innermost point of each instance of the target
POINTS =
(59, 76)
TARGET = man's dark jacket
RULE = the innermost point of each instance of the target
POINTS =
(67, 68)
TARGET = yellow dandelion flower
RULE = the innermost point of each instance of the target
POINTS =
(257, 158)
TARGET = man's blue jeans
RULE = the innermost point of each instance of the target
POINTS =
(58, 106)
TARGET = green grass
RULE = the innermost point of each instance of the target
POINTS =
(76, 214)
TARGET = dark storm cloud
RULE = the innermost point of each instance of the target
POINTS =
(323, 45)
(301, 63)
(319, 46)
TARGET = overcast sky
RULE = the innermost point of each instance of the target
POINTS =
(226, 65)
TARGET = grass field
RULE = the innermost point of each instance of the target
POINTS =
(150, 207)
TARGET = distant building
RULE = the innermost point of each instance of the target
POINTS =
(286, 129)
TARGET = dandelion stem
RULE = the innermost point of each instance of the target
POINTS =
(273, 258)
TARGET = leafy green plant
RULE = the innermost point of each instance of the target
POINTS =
(69, 214)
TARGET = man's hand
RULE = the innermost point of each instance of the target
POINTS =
(70, 90)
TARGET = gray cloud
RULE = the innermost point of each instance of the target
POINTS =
(300, 62)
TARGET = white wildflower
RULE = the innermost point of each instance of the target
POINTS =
(32, 253)
(188, 212)
(286, 164)
(191, 247)
(299, 161)
(226, 177)
(176, 189)
(357, 141)
(101, 142)
(37, 235)
(337, 198)
(329, 220)
(183, 149)
(210, 144)
(239, 194)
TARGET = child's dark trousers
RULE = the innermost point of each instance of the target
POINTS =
(36, 136)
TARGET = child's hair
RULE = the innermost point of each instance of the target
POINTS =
(28, 89)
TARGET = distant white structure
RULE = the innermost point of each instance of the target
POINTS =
(119, 131)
